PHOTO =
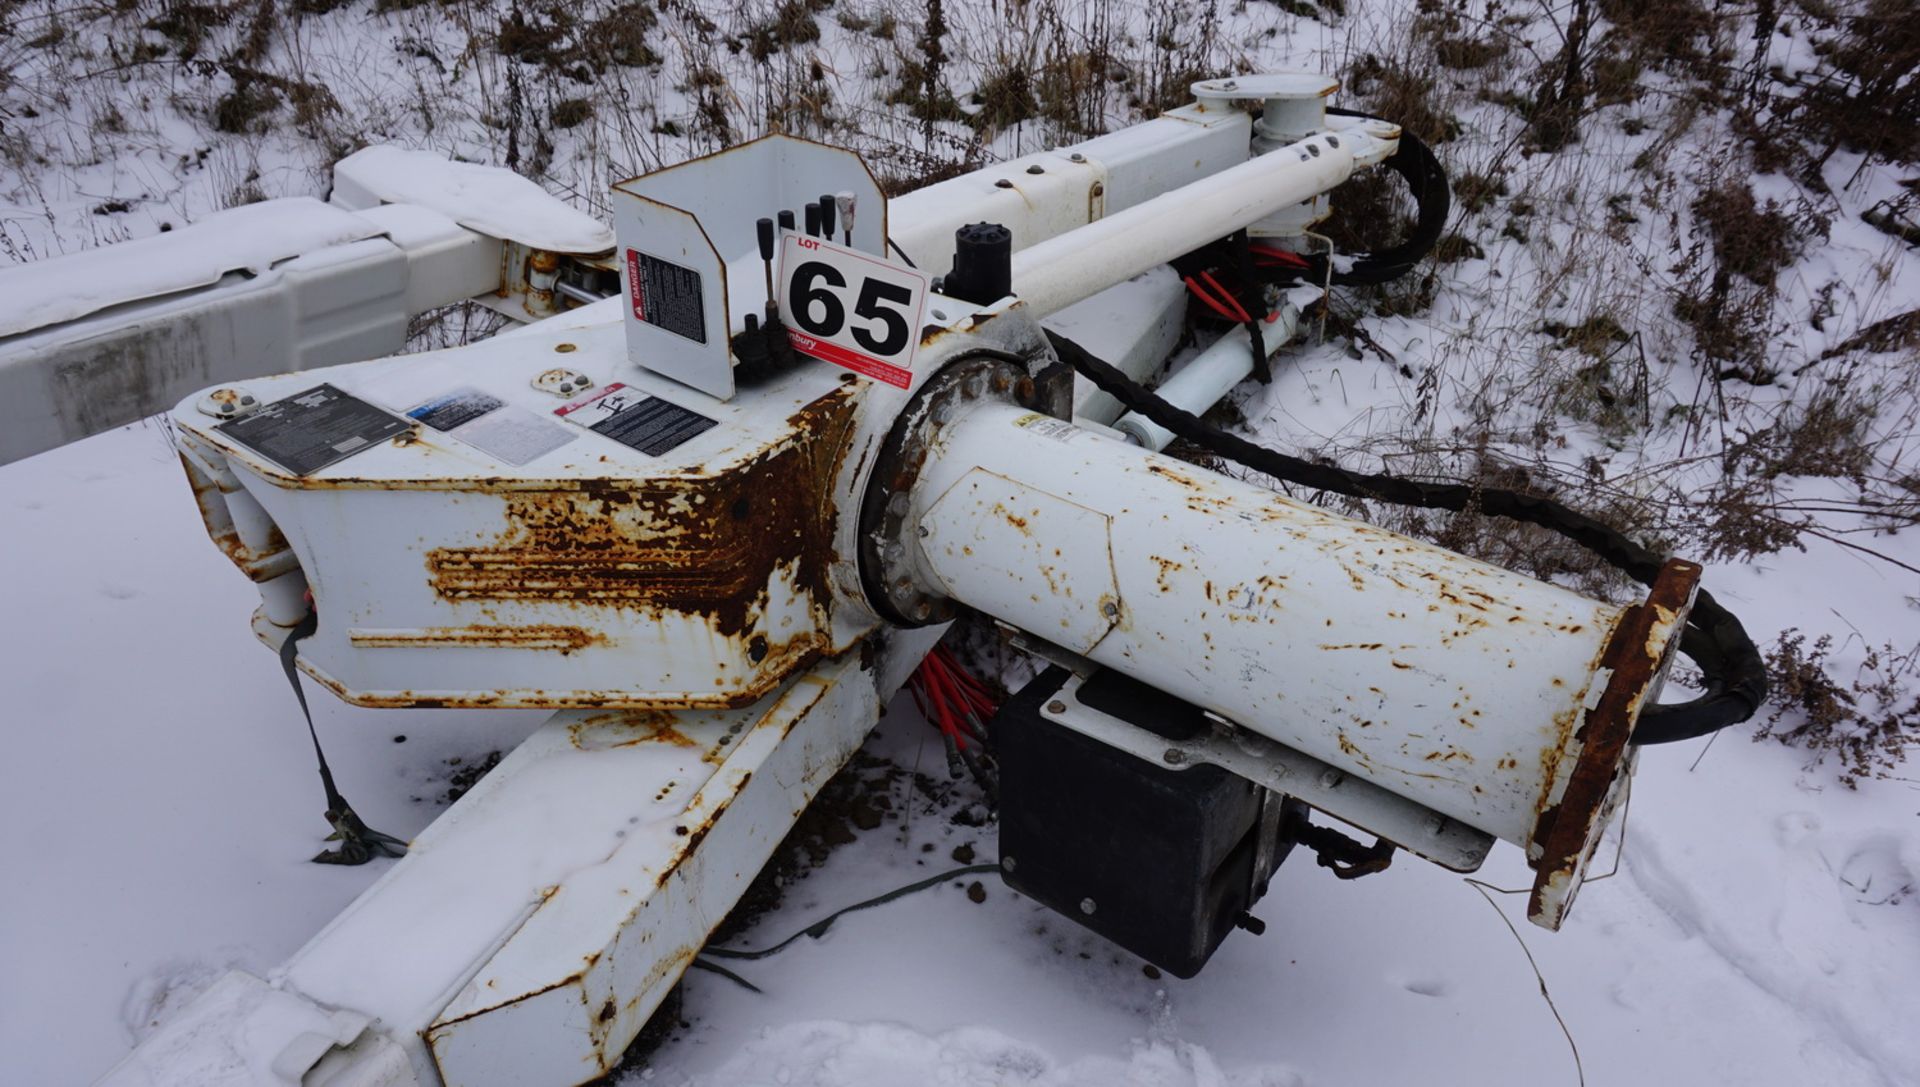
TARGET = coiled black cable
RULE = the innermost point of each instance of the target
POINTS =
(1420, 169)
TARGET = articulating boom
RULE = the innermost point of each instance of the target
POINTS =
(717, 520)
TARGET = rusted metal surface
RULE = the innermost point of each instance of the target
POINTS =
(728, 564)
(561, 999)
(263, 563)
(1634, 661)
(535, 636)
(702, 545)
(892, 588)
(543, 271)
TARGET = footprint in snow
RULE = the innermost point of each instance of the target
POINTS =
(1425, 986)
(1795, 827)
(1877, 875)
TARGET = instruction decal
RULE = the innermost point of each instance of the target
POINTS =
(667, 295)
(635, 419)
(512, 435)
(450, 410)
(310, 430)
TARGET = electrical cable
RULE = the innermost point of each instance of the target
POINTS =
(819, 928)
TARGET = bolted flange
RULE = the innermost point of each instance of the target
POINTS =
(894, 587)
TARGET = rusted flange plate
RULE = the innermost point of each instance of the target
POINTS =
(1633, 663)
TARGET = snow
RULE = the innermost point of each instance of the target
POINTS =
(494, 202)
(1764, 921)
(216, 1055)
(249, 239)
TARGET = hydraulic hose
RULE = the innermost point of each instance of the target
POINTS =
(1420, 169)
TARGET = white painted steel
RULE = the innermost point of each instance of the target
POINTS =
(1209, 376)
(532, 929)
(1351, 799)
(1080, 263)
(1075, 186)
(1133, 325)
(702, 215)
(1448, 681)
(367, 530)
(65, 379)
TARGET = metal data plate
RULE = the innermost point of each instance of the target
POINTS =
(1416, 829)
(310, 430)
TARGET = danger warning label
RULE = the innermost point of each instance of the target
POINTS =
(666, 295)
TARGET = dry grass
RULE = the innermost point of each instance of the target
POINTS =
(1866, 720)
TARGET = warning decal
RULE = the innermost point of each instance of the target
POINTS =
(667, 295)
(636, 420)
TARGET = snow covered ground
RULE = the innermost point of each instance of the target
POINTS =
(1762, 928)
(1764, 924)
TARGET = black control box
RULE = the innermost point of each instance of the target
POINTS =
(1161, 861)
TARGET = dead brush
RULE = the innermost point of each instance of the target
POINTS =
(1864, 95)
(1867, 721)
(1728, 276)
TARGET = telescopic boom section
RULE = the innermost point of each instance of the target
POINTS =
(1062, 270)
(1462, 686)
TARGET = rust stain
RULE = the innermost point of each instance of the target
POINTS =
(624, 728)
(1013, 519)
(702, 545)
(1167, 567)
(256, 563)
(1641, 641)
(565, 639)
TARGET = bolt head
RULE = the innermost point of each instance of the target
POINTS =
(1056, 706)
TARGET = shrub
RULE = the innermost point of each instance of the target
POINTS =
(1867, 721)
